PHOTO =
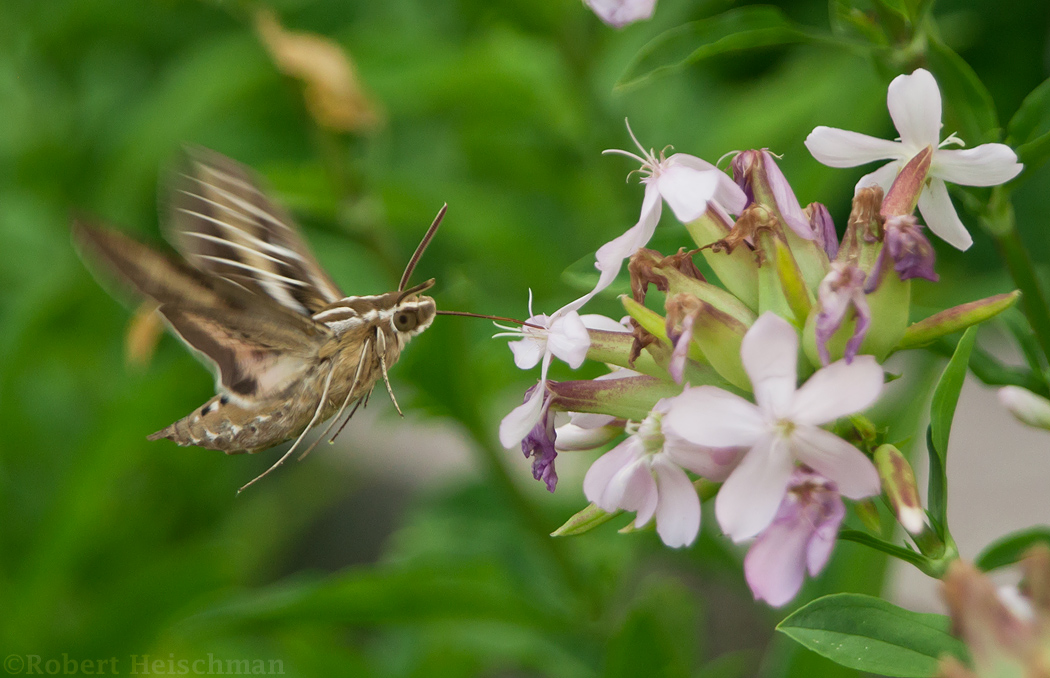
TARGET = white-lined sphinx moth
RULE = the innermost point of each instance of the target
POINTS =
(290, 348)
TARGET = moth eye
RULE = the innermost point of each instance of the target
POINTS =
(405, 322)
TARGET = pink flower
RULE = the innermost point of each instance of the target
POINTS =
(686, 182)
(619, 13)
(800, 539)
(644, 474)
(783, 428)
(915, 106)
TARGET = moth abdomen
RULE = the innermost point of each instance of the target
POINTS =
(222, 424)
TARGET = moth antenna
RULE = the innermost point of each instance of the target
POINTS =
(422, 247)
(415, 289)
(489, 317)
(291, 450)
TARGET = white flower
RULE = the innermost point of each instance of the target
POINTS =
(915, 106)
(644, 474)
(562, 335)
(619, 13)
(686, 182)
(783, 428)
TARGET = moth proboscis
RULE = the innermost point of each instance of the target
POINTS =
(290, 349)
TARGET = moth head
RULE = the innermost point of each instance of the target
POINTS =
(413, 312)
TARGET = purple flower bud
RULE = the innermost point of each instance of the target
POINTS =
(539, 444)
(841, 292)
(824, 227)
(912, 253)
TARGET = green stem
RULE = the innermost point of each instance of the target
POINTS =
(1000, 221)
(929, 566)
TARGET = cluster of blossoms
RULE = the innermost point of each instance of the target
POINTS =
(757, 384)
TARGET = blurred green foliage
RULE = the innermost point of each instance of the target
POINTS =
(112, 546)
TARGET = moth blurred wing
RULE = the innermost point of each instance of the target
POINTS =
(223, 223)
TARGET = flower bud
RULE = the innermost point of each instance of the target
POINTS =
(824, 228)
(898, 482)
(1026, 406)
(626, 398)
(903, 195)
(862, 240)
(735, 267)
(717, 334)
(955, 319)
(757, 173)
(911, 252)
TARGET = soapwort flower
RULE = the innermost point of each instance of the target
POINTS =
(782, 427)
(914, 102)
(799, 539)
(687, 183)
(645, 474)
(619, 13)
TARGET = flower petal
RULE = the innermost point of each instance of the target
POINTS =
(985, 165)
(619, 13)
(686, 190)
(936, 208)
(678, 510)
(785, 199)
(712, 463)
(915, 106)
(837, 390)
(568, 339)
(527, 352)
(827, 522)
(727, 193)
(605, 468)
(841, 148)
(835, 459)
(516, 425)
(882, 177)
(749, 499)
(594, 321)
(632, 489)
(610, 256)
(770, 355)
(709, 416)
(573, 438)
(775, 565)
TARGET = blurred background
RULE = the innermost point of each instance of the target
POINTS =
(413, 547)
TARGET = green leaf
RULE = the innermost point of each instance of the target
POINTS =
(870, 634)
(1011, 548)
(969, 105)
(946, 394)
(1029, 129)
(942, 412)
(584, 520)
(735, 30)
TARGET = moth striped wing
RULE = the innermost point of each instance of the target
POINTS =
(223, 223)
(257, 346)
